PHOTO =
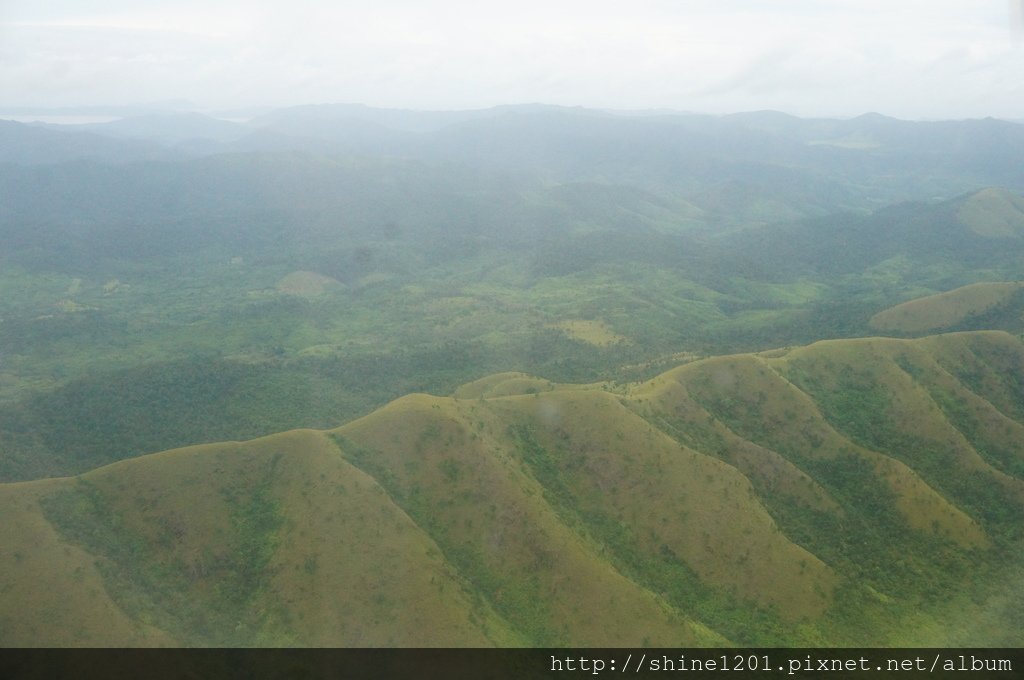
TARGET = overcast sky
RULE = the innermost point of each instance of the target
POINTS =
(906, 58)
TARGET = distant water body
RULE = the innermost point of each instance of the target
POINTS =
(57, 120)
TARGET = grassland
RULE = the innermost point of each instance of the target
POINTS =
(945, 310)
(593, 332)
(847, 492)
(994, 213)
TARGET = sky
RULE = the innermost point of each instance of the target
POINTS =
(915, 59)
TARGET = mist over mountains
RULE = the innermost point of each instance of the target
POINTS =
(819, 161)
(528, 375)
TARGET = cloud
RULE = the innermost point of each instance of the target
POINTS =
(828, 57)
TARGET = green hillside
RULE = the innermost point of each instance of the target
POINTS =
(994, 213)
(299, 291)
(949, 309)
(850, 492)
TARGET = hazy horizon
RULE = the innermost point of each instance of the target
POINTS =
(96, 114)
(917, 61)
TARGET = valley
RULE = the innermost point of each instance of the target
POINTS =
(524, 376)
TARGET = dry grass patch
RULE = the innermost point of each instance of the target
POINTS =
(592, 332)
(307, 284)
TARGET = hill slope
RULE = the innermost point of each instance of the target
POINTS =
(994, 213)
(949, 309)
(848, 492)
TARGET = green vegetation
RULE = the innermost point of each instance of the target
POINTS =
(129, 355)
(168, 594)
(663, 572)
(786, 498)
(961, 307)
(718, 451)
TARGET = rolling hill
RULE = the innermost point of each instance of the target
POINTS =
(849, 492)
(31, 145)
(994, 213)
(949, 309)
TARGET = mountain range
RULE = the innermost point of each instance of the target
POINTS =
(274, 382)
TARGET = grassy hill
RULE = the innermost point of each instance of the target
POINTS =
(860, 492)
(994, 213)
(946, 310)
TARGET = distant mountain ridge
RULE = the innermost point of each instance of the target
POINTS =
(33, 145)
(808, 166)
